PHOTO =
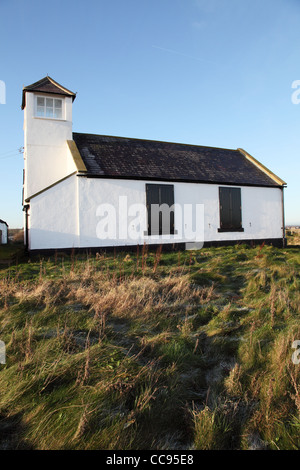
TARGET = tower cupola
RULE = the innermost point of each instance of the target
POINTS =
(47, 107)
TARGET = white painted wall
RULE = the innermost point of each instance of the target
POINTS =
(55, 222)
(53, 217)
(261, 210)
(47, 158)
(3, 229)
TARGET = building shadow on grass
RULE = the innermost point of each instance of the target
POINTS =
(12, 430)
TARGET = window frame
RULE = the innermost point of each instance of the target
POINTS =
(230, 227)
(159, 187)
(44, 116)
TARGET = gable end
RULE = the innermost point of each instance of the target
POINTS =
(262, 167)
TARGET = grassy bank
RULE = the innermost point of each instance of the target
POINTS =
(10, 252)
(188, 350)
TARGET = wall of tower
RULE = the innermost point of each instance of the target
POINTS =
(47, 158)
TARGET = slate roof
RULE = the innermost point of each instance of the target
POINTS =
(128, 158)
(46, 85)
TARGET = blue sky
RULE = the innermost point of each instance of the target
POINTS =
(208, 72)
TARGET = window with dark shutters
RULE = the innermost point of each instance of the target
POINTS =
(160, 207)
(230, 210)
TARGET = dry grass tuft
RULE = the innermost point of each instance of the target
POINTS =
(153, 350)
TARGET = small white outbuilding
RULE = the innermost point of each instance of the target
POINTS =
(96, 191)
(3, 232)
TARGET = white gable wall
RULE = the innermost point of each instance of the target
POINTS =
(53, 217)
(54, 222)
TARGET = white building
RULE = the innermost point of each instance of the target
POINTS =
(3, 232)
(95, 191)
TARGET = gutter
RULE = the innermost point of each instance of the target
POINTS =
(174, 180)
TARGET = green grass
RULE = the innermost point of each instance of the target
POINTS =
(188, 350)
(9, 251)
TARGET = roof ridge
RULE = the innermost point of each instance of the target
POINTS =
(60, 86)
(50, 79)
(34, 87)
(155, 141)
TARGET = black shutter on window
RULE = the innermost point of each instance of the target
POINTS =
(152, 197)
(230, 208)
(225, 216)
(236, 214)
(167, 197)
(160, 194)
